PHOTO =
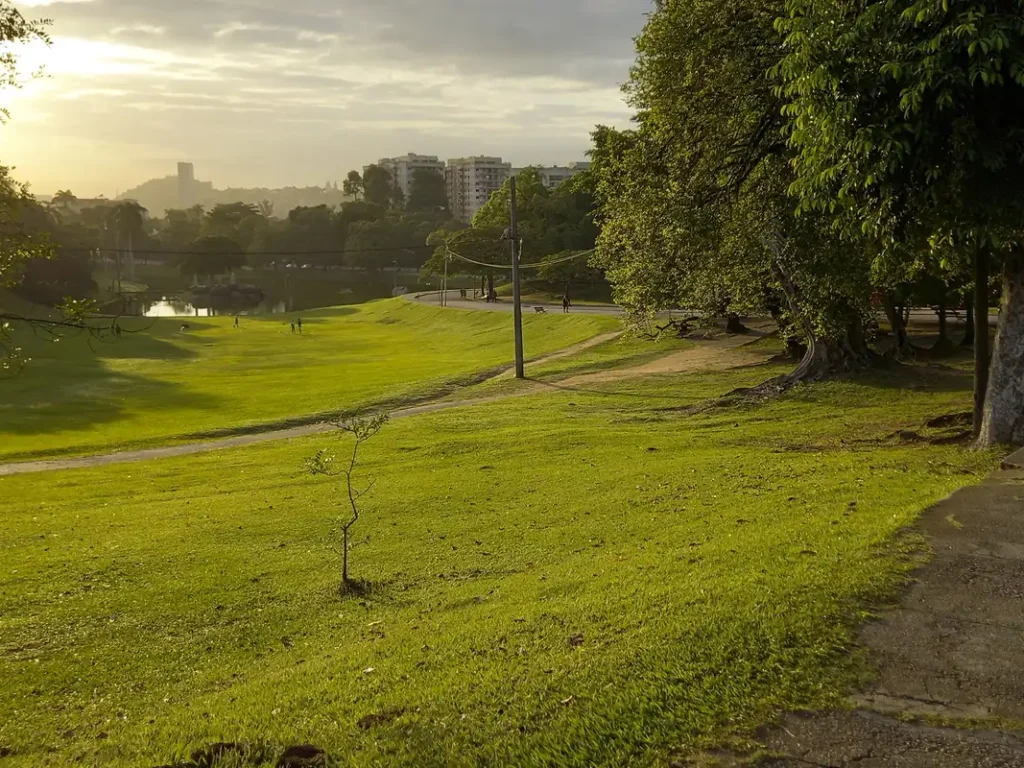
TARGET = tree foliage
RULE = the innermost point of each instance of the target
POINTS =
(694, 202)
(907, 120)
(428, 191)
(378, 186)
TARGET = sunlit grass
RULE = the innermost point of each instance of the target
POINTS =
(581, 578)
(159, 382)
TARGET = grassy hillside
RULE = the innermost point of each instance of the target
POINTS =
(159, 382)
(581, 578)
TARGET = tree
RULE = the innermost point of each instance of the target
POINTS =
(428, 191)
(210, 256)
(125, 221)
(353, 185)
(378, 186)
(19, 243)
(322, 463)
(16, 30)
(694, 204)
(315, 228)
(181, 228)
(64, 199)
(237, 221)
(266, 208)
(907, 118)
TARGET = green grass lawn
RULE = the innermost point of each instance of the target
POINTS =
(578, 578)
(163, 383)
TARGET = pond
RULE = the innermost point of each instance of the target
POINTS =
(177, 307)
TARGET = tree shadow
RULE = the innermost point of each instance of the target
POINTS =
(68, 386)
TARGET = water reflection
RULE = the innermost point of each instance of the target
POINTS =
(172, 307)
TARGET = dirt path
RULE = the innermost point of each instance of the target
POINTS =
(717, 354)
(950, 685)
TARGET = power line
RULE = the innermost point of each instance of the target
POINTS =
(535, 265)
(143, 252)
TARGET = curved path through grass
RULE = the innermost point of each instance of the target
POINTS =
(716, 354)
(174, 380)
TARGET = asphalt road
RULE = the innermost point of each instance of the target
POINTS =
(922, 316)
(504, 304)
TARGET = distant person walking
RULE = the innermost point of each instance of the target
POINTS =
(566, 304)
(300, 325)
(293, 326)
(236, 321)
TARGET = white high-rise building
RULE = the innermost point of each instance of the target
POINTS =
(402, 168)
(554, 175)
(471, 181)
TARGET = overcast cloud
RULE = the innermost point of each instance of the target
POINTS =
(268, 92)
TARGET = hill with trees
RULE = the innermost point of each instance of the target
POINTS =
(159, 195)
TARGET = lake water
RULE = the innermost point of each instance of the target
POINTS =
(172, 307)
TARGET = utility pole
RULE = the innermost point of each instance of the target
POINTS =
(444, 284)
(517, 307)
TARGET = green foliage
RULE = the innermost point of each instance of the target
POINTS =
(181, 228)
(907, 117)
(243, 223)
(552, 224)
(694, 203)
(378, 186)
(428, 191)
(16, 31)
(353, 185)
(212, 255)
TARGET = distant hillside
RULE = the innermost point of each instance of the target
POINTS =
(157, 195)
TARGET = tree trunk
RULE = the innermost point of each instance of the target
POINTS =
(827, 357)
(794, 347)
(969, 323)
(490, 282)
(131, 258)
(344, 555)
(981, 333)
(734, 325)
(943, 346)
(902, 346)
(1003, 418)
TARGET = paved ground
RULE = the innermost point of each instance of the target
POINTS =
(950, 685)
(504, 304)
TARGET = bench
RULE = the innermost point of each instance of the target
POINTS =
(540, 310)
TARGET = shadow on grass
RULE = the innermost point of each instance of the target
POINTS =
(68, 386)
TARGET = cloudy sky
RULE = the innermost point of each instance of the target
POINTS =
(278, 92)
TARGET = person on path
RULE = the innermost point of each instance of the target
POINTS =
(300, 325)
(293, 326)
(236, 321)
(565, 304)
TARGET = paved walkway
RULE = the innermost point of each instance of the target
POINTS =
(950, 685)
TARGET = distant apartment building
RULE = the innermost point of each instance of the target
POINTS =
(471, 181)
(186, 185)
(554, 175)
(403, 168)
